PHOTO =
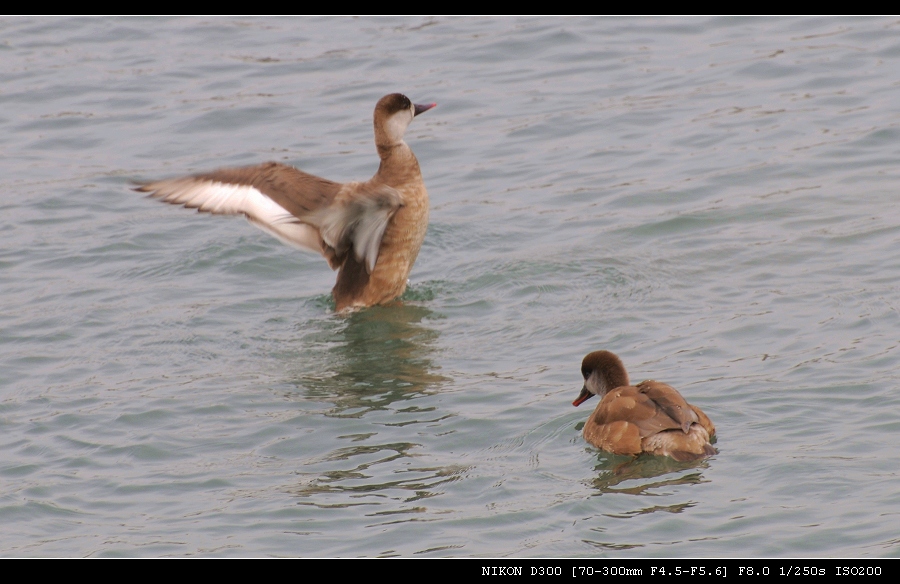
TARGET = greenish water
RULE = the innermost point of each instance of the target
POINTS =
(713, 199)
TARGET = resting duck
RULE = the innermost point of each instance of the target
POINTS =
(371, 232)
(650, 417)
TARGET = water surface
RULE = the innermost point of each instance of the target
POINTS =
(714, 199)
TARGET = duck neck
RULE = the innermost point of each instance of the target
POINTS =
(398, 160)
(600, 383)
(617, 378)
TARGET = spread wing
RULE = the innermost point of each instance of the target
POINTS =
(357, 220)
(300, 209)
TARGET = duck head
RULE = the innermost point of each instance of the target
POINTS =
(602, 371)
(393, 113)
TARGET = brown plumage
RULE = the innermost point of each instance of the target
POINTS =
(650, 417)
(371, 231)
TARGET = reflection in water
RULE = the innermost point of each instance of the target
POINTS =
(648, 476)
(373, 358)
(367, 364)
(615, 470)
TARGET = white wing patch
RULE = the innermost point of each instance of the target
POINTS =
(230, 199)
(357, 217)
